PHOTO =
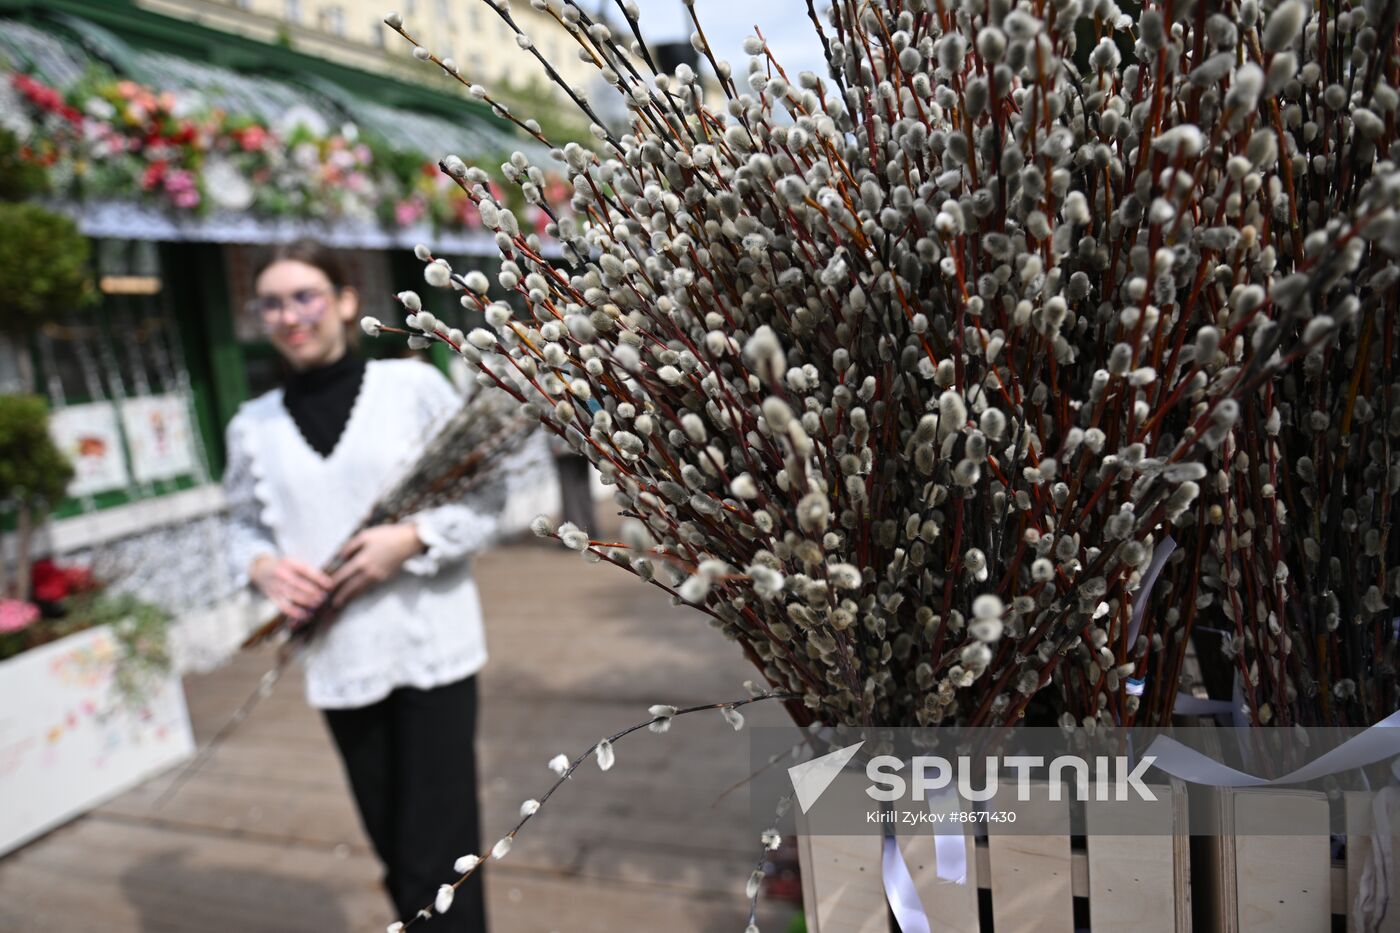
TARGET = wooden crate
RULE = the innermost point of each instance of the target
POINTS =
(1245, 883)
(1139, 883)
(1279, 883)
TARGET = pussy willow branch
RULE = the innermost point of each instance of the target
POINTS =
(427, 912)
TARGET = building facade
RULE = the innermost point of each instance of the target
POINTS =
(353, 32)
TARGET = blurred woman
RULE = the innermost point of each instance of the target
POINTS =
(394, 673)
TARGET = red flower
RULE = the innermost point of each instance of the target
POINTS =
(48, 583)
(80, 579)
(252, 138)
(153, 175)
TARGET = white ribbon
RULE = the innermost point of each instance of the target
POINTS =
(949, 850)
(1377, 743)
(1377, 877)
(900, 891)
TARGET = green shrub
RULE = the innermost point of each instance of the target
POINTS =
(20, 178)
(32, 468)
(43, 267)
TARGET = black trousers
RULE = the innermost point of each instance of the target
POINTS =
(576, 490)
(411, 761)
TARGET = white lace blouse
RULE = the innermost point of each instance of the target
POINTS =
(422, 628)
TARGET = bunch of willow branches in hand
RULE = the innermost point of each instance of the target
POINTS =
(466, 460)
(909, 369)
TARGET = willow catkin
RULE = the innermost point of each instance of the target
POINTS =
(974, 323)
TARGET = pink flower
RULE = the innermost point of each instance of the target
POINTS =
(407, 212)
(15, 615)
(253, 138)
(179, 181)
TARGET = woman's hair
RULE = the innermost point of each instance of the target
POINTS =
(312, 254)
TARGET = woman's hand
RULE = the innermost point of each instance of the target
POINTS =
(373, 556)
(294, 588)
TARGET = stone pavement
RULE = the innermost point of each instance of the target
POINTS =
(264, 839)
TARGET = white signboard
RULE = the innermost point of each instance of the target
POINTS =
(158, 433)
(89, 436)
(66, 745)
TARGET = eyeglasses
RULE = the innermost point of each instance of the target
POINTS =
(307, 306)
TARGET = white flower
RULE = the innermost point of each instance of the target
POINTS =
(733, 717)
(844, 576)
(755, 881)
(481, 338)
(371, 325)
(497, 313)
(427, 321)
(559, 764)
(606, 757)
(438, 273)
(416, 342)
(423, 253)
(393, 21)
(455, 166)
(987, 606)
(529, 808)
(767, 582)
(443, 902)
(573, 537)
(421, 53)
(541, 526)
(696, 588)
(411, 301)
(478, 282)
(986, 630)
(771, 839)
(499, 850)
(449, 65)
(465, 864)
(395, 927)
(227, 186)
(661, 715)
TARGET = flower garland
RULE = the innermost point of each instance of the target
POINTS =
(112, 139)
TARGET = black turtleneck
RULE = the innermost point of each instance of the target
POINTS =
(319, 400)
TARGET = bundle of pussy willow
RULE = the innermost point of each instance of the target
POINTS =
(909, 370)
(466, 459)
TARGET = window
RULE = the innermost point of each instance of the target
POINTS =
(333, 20)
(291, 10)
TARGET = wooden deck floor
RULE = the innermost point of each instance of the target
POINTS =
(265, 839)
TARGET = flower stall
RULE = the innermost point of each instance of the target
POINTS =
(178, 152)
(89, 702)
(157, 156)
